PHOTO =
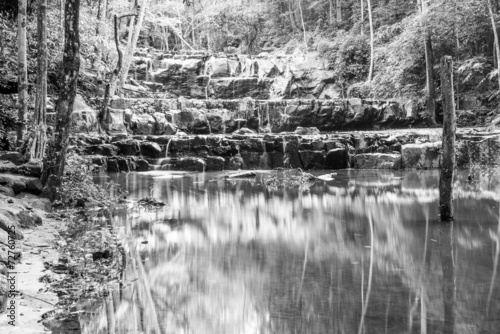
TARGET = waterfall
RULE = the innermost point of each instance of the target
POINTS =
(167, 148)
(284, 152)
(264, 159)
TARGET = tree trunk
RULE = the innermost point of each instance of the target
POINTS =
(370, 73)
(100, 30)
(431, 89)
(129, 54)
(429, 66)
(22, 77)
(338, 11)
(53, 165)
(303, 25)
(449, 128)
(330, 11)
(38, 139)
(497, 44)
(362, 16)
(193, 37)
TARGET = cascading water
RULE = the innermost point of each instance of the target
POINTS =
(285, 155)
(264, 158)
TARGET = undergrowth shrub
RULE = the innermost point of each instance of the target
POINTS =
(79, 187)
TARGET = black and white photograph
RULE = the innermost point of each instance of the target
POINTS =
(249, 166)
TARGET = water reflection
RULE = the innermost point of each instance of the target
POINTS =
(363, 253)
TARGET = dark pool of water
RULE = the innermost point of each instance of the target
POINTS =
(362, 253)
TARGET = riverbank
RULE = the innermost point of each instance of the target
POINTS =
(24, 294)
(50, 261)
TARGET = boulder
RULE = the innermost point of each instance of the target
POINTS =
(244, 131)
(128, 147)
(162, 126)
(107, 150)
(336, 158)
(142, 124)
(215, 163)
(15, 157)
(218, 68)
(6, 190)
(251, 160)
(34, 186)
(31, 168)
(150, 150)
(118, 164)
(421, 156)
(142, 165)
(191, 164)
(36, 202)
(113, 166)
(16, 182)
(304, 131)
(29, 219)
(239, 87)
(377, 161)
(9, 224)
(311, 159)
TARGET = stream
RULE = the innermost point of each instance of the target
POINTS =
(361, 253)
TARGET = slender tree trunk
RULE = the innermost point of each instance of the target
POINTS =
(429, 65)
(101, 33)
(362, 16)
(53, 166)
(129, 54)
(22, 78)
(457, 44)
(449, 129)
(495, 34)
(338, 11)
(303, 25)
(111, 86)
(193, 37)
(61, 19)
(370, 73)
(431, 89)
(330, 11)
(39, 136)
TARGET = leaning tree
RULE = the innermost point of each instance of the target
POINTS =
(53, 165)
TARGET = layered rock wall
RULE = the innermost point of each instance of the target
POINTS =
(370, 150)
(166, 116)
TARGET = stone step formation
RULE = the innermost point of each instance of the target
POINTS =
(198, 111)
(402, 149)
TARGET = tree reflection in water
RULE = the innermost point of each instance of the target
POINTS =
(230, 257)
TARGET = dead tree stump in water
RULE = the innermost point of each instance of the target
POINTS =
(449, 129)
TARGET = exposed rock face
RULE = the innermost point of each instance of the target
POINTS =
(235, 76)
(377, 161)
(422, 156)
(149, 116)
(15, 157)
(369, 150)
(233, 88)
(191, 164)
(307, 131)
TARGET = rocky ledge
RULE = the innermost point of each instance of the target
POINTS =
(306, 149)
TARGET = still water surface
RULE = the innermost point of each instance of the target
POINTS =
(362, 253)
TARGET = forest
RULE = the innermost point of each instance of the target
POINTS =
(249, 166)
